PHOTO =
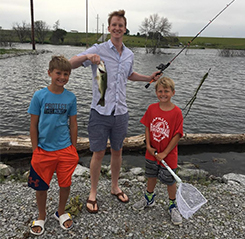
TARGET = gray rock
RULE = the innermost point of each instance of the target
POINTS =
(239, 178)
(5, 170)
(137, 171)
(186, 173)
(222, 217)
(81, 171)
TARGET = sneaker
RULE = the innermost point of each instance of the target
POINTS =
(144, 203)
(176, 218)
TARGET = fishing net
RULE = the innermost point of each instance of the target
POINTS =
(189, 199)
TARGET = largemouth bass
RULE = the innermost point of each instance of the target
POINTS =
(102, 82)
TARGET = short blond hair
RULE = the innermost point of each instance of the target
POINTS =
(120, 13)
(165, 82)
(60, 63)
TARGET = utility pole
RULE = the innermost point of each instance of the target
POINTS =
(97, 26)
(103, 33)
(86, 23)
(32, 27)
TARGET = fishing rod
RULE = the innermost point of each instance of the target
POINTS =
(162, 67)
(193, 98)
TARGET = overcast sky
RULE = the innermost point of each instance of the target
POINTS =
(187, 17)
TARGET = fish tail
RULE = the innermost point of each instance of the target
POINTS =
(101, 102)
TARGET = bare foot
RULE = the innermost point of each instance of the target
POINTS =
(68, 223)
(92, 206)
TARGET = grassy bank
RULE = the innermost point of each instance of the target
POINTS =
(140, 41)
(216, 42)
(83, 39)
(12, 51)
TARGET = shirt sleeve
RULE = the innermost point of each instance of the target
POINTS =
(91, 50)
(35, 106)
(179, 124)
(145, 119)
(73, 110)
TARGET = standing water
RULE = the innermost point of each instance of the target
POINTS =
(218, 108)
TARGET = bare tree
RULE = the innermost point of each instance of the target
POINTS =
(56, 25)
(23, 31)
(41, 30)
(157, 29)
(6, 37)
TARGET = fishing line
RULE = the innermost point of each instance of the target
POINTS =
(162, 67)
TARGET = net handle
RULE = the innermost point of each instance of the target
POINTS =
(176, 177)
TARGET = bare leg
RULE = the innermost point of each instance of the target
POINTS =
(95, 167)
(64, 194)
(116, 162)
(151, 183)
(41, 197)
(172, 189)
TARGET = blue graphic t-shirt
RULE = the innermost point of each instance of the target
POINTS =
(54, 111)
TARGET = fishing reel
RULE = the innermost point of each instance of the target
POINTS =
(162, 67)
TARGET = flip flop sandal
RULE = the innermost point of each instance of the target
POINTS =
(118, 195)
(93, 203)
(62, 219)
(38, 223)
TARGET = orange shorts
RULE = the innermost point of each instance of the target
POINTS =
(45, 163)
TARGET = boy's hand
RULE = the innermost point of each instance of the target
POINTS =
(160, 156)
(151, 150)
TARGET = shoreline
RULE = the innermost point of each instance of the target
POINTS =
(21, 144)
(222, 217)
(216, 154)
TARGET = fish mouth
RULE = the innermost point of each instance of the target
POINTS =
(101, 71)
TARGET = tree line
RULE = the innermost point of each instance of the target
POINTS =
(155, 29)
(23, 32)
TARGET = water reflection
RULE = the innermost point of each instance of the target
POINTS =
(217, 109)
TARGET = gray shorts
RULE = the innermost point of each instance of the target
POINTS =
(154, 170)
(103, 127)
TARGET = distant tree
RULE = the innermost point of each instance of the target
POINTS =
(127, 32)
(58, 36)
(41, 30)
(157, 30)
(56, 25)
(22, 31)
(6, 37)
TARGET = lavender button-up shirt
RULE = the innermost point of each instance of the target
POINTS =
(119, 68)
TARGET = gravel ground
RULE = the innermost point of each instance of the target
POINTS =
(223, 216)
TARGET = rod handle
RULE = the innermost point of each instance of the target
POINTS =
(176, 177)
(148, 84)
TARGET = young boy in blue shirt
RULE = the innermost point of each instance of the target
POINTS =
(53, 132)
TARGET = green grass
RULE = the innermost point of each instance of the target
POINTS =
(216, 42)
(139, 41)
(83, 39)
(11, 51)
